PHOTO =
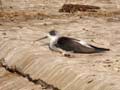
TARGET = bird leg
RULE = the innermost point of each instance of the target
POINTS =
(64, 53)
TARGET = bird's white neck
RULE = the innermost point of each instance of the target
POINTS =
(54, 39)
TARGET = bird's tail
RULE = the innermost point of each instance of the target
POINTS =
(99, 49)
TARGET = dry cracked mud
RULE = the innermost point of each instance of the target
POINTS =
(27, 64)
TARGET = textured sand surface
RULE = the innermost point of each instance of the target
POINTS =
(33, 61)
(10, 81)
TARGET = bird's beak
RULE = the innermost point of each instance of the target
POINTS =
(42, 38)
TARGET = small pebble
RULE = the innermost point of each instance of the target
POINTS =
(4, 33)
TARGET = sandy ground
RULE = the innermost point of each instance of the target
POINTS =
(17, 35)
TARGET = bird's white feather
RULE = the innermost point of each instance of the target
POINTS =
(84, 44)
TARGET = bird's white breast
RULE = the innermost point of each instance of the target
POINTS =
(53, 41)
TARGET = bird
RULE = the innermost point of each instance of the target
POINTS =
(67, 45)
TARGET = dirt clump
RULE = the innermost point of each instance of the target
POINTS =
(71, 8)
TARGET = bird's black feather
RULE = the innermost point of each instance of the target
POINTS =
(71, 44)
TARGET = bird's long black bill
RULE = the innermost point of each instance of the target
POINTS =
(42, 38)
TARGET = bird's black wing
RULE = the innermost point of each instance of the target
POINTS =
(71, 44)
(74, 45)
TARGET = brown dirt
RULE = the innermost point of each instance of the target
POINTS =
(72, 8)
(19, 28)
